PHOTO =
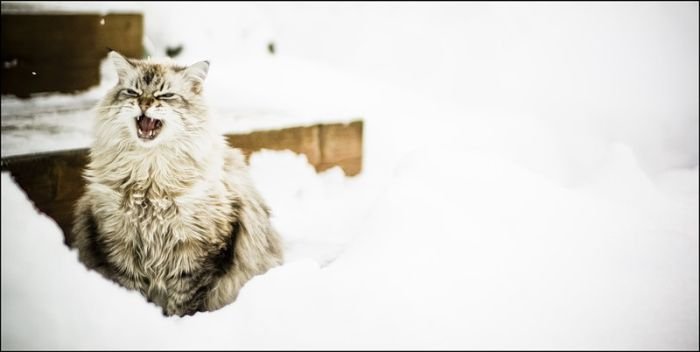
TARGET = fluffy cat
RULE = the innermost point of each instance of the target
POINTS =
(169, 209)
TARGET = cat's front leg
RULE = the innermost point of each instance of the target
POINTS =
(92, 252)
(86, 238)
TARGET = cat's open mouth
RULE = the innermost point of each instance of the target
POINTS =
(148, 128)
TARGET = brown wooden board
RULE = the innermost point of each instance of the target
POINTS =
(53, 181)
(62, 52)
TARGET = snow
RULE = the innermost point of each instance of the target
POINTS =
(490, 257)
(530, 181)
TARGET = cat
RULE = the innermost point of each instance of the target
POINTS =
(169, 209)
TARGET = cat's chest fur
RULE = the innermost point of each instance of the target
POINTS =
(162, 242)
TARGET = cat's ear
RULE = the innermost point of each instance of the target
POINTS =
(122, 64)
(197, 72)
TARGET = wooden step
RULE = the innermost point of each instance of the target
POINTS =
(53, 181)
(61, 52)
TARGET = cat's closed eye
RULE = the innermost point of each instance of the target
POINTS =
(166, 96)
(130, 92)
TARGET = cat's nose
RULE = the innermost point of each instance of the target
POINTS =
(144, 104)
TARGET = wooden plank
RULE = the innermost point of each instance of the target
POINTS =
(53, 181)
(62, 52)
(49, 78)
(121, 32)
(341, 144)
(302, 140)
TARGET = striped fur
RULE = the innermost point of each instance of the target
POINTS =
(177, 217)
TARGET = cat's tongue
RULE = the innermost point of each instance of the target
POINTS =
(147, 124)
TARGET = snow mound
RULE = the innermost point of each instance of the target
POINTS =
(490, 255)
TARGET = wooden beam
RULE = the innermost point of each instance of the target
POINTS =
(53, 181)
(62, 52)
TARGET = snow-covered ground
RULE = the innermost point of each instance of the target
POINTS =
(530, 181)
